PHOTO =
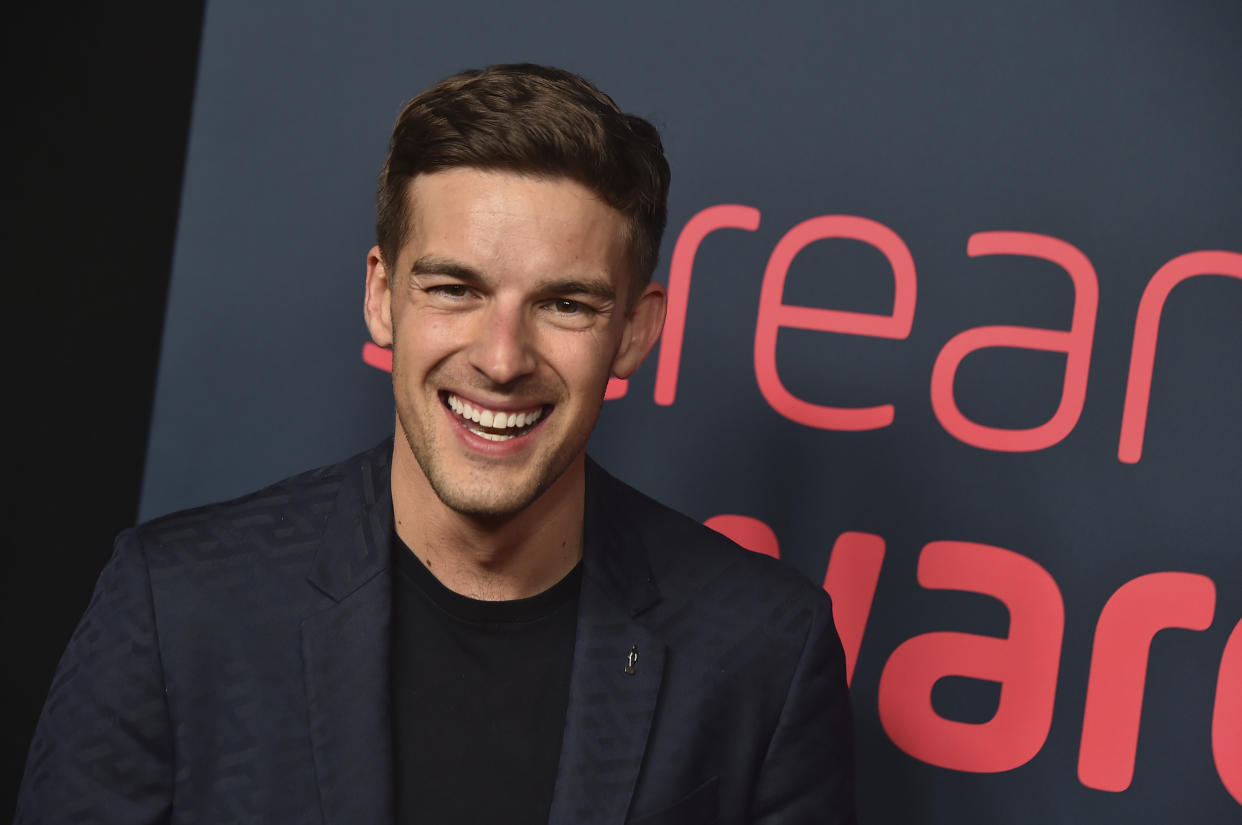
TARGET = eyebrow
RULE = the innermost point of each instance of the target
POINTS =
(594, 288)
(600, 288)
(435, 265)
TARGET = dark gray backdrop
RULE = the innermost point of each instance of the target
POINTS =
(1115, 127)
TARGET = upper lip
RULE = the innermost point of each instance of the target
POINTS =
(509, 406)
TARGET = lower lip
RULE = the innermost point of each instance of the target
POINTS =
(486, 446)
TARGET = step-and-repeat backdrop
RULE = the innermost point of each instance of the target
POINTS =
(955, 328)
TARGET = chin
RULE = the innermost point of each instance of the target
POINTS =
(476, 492)
(483, 505)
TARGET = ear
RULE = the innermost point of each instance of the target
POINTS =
(377, 302)
(642, 329)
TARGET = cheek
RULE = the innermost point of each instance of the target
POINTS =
(427, 336)
(584, 361)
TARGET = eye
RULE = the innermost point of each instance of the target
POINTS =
(564, 306)
(570, 314)
(449, 290)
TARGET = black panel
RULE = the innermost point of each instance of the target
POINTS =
(101, 114)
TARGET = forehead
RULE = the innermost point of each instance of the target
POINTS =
(504, 222)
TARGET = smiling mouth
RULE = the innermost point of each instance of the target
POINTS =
(493, 425)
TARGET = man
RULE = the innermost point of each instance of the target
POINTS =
(471, 622)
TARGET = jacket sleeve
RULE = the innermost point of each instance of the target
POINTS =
(102, 750)
(808, 773)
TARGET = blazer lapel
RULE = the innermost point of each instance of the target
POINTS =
(345, 650)
(610, 710)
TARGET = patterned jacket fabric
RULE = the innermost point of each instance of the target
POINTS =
(232, 667)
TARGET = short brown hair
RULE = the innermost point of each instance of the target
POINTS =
(532, 120)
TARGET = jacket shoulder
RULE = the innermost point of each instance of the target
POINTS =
(287, 513)
(685, 555)
(310, 490)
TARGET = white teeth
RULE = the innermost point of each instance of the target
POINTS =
(492, 436)
(493, 419)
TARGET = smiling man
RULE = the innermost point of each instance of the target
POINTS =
(472, 622)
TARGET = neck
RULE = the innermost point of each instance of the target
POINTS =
(495, 559)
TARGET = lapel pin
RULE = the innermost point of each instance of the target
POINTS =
(631, 660)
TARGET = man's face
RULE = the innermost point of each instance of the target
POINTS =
(506, 312)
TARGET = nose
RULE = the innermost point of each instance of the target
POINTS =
(502, 346)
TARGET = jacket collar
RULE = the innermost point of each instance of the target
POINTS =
(610, 706)
(357, 537)
(613, 553)
(345, 648)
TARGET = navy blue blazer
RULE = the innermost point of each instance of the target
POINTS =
(233, 666)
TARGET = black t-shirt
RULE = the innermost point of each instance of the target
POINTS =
(479, 697)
